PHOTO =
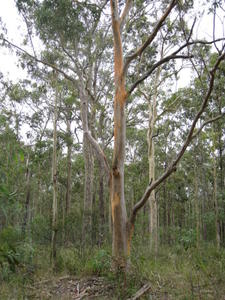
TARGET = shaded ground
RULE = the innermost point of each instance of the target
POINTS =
(69, 287)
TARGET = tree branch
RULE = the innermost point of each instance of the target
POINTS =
(84, 113)
(39, 60)
(172, 166)
(206, 123)
(155, 66)
(99, 153)
(124, 14)
(151, 37)
(114, 10)
(170, 57)
(118, 49)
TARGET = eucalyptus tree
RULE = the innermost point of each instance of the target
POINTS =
(82, 55)
(68, 33)
(123, 227)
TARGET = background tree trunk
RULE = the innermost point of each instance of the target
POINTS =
(215, 201)
(55, 183)
(101, 206)
(27, 201)
(196, 199)
(68, 180)
(151, 160)
(88, 192)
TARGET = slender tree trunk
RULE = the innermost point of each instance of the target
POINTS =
(68, 180)
(88, 192)
(89, 165)
(27, 201)
(196, 198)
(151, 160)
(217, 224)
(55, 184)
(222, 181)
(101, 206)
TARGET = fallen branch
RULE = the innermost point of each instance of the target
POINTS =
(83, 294)
(51, 279)
(141, 292)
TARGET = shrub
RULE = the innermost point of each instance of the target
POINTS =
(99, 263)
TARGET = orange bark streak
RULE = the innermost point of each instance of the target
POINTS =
(115, 203)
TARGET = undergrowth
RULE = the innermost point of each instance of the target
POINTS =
(174, 273)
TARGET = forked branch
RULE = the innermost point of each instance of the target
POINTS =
(151, 37)
(155, 66)
(174, 55)
(172, 166)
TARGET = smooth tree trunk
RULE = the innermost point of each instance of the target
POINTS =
(153, 224)
(66, 206)
(101, 206)
(196, 199)
(55, 184)
(89, 167)
(27, 200)
(69, 169)
(215, 201)
(120, 244)
(88, 192)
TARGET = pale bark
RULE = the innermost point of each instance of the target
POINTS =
(151, 160)
(89, 166)
(68, 180)
(196, 201)
(88, 192)
(101, 206)
(27, 201)
(55, 183)
(215, 200)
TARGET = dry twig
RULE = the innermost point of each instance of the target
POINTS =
(141, 292)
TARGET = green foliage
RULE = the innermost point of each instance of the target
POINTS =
(99, 263)
(64, 19)
(187, 238)
(15, 252)
(89, 262)
(180, 273)
(41, 229)
(10, 235)
(69, 260)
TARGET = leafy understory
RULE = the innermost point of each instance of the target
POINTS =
(175, 273)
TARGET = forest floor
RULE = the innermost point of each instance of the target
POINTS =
(70, 287)
(93, 287)
(175, 274)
